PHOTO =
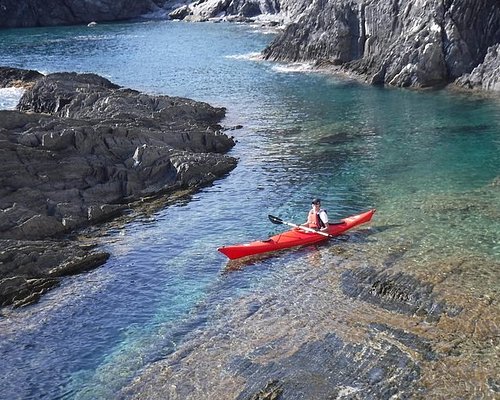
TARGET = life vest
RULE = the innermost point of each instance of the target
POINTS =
(314, 221)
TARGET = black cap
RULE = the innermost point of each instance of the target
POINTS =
(316, 201)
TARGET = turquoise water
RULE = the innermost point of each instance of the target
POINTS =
(426, 161)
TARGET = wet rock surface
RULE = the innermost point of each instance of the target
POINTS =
(81, 149)
(30, 268)
(294, 350)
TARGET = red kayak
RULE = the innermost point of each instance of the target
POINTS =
(294, 237)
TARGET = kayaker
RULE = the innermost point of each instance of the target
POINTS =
(317, 217)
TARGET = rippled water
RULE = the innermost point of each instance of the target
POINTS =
(429, 162)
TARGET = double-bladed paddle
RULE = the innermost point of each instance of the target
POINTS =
(279, 221)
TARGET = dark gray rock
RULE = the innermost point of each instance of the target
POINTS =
(397, 292)
(485, 76)
(30, 268)
(96, 147)
(14, 13)
(80, 149)
(21, 291)
(14, 77)
(494, 384)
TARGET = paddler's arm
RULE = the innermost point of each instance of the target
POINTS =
(324, 218)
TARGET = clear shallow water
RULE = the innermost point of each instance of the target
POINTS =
(426, 161)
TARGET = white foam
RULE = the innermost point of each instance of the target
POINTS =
(265, 31)
(9, 97)
(256, 56)
(293, 68)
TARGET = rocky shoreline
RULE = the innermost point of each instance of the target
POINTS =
(430, 44)
(71, 12)
(80, 150)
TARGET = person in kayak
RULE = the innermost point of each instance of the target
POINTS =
(317, 217)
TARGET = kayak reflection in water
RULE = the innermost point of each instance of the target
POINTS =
(317, 217)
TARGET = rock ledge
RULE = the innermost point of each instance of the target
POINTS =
(79, 149)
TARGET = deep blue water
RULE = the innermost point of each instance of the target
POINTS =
(419, 158)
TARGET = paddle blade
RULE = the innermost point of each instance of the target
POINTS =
(275, 220)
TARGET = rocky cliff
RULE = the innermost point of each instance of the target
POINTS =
(486, 76)
(405, 43)
(26, 13)
(79, 150)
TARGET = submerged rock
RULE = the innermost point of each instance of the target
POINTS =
(333, 368)
(396, 292)
(80, 149)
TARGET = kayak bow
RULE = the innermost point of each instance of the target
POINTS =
(294, 237)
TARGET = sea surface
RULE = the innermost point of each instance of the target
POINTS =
(429, 162)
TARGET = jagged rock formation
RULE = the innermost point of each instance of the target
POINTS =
(28, 269)
(403, 43)
(14, 13)
(232, 10)
(485, 76)
(425, 43)
(80, 148)
(14, 77)
(86, 147)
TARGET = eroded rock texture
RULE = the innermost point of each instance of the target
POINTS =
(403, 43)
(80, 149)
(425, 43)
(14, 13)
